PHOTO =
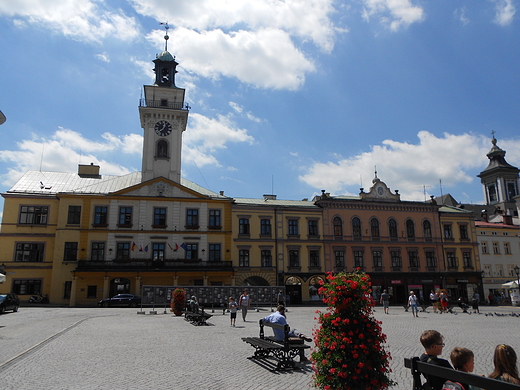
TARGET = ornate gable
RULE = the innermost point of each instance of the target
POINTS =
(380, 192)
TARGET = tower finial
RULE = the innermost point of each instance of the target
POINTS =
(166, 37)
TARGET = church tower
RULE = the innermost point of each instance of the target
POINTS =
(164, 116)
(500, 181)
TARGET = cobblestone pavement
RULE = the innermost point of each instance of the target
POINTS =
(114, 348)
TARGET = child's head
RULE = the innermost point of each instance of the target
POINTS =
(432, 341)
(231, 299)
(505, 360)
(462, 359)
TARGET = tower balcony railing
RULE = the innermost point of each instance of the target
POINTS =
(148, 264)
(162, 104)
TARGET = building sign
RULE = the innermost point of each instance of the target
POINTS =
(396, 282)
(426, 281)
(462, 281)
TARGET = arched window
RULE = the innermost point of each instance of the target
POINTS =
(374, 228)
(427, 229)
(356, 227)
(392, 229)
(410, 229)
(337, 223)
(162, 148)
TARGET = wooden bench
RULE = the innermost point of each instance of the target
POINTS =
(417, 368)
(283, 350)
(198, 317)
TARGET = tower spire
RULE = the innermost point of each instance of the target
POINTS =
(166, 37)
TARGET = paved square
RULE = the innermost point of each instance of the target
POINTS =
(114, 348)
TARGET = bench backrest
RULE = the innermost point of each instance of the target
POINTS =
(417, 367)
(286, 329)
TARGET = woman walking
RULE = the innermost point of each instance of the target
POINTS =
(244, 303)
(414, 304)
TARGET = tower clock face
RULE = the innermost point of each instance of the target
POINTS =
(163, 128)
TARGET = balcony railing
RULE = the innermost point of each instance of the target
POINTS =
(141, 265)
(162, 104)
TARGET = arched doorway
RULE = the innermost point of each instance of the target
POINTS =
(256, 281)
(293, 288)
(119, 286)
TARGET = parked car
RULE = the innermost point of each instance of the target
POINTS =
(121, 300)
(9, 302)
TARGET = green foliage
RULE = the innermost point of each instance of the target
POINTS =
(349, 351)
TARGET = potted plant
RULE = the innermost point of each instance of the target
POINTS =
(178, 301)
(349, 348)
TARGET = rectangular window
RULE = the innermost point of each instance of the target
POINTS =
(484, 247)
(243, 258)
(91, 291)
(74, 215)
(466, 259)
(395, 257)
(158, 249)
(463, 232)
(358, 259)
(413, 258)
(243, 226)
(265, 227)
(313, 227)
(32, 253)
(27, 287)
(430, 259)
(97, 251)
(339, 259)
(500, 270)
(214, 252)
(448, 233)
(214, 219)
(293, 227)
(496, 248)
(294, 258)
(101, 215)
(451, 260)
(159, 217)
(511, 189)
(487, 270)
(492, 193)
(70, 252)
(377, 258)
(123, 251)
(192, 252)
(507, 248)
(33, 215)
(314, 258)
(192, 218)
(125, 216)
(267, 260)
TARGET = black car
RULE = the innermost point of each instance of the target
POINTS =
(9, 302)
(121, 300)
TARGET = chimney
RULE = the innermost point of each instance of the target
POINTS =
(89, 171)
(269, 197)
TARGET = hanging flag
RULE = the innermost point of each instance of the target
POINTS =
(140, 248)
(133, 246)
(176, 247)
(184, 246)
(146, 248)
(169, 246)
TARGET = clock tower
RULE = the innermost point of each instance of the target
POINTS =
(163, 118)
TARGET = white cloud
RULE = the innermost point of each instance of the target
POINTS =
(64, 150)
(460, 14)
(266, 58)
(103, 57)
(393, 14)
(505, 12)
(307, 20)
(206, 136)
(407, 167)
(82, 20)
(235, 106)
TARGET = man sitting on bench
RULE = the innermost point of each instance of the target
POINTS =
(278, 317)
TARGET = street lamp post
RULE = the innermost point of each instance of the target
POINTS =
(517, 272)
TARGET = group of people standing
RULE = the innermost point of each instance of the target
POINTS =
(243, 304)
(439, 301)
(504, 360)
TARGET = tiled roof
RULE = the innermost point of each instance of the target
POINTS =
(275, 202)
(49, 183)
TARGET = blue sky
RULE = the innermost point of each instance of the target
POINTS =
(289, 97)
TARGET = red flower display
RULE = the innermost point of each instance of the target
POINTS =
(177, 302)
(349, 351)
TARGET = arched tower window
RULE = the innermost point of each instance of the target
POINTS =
(162, 149)
(337, 223)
